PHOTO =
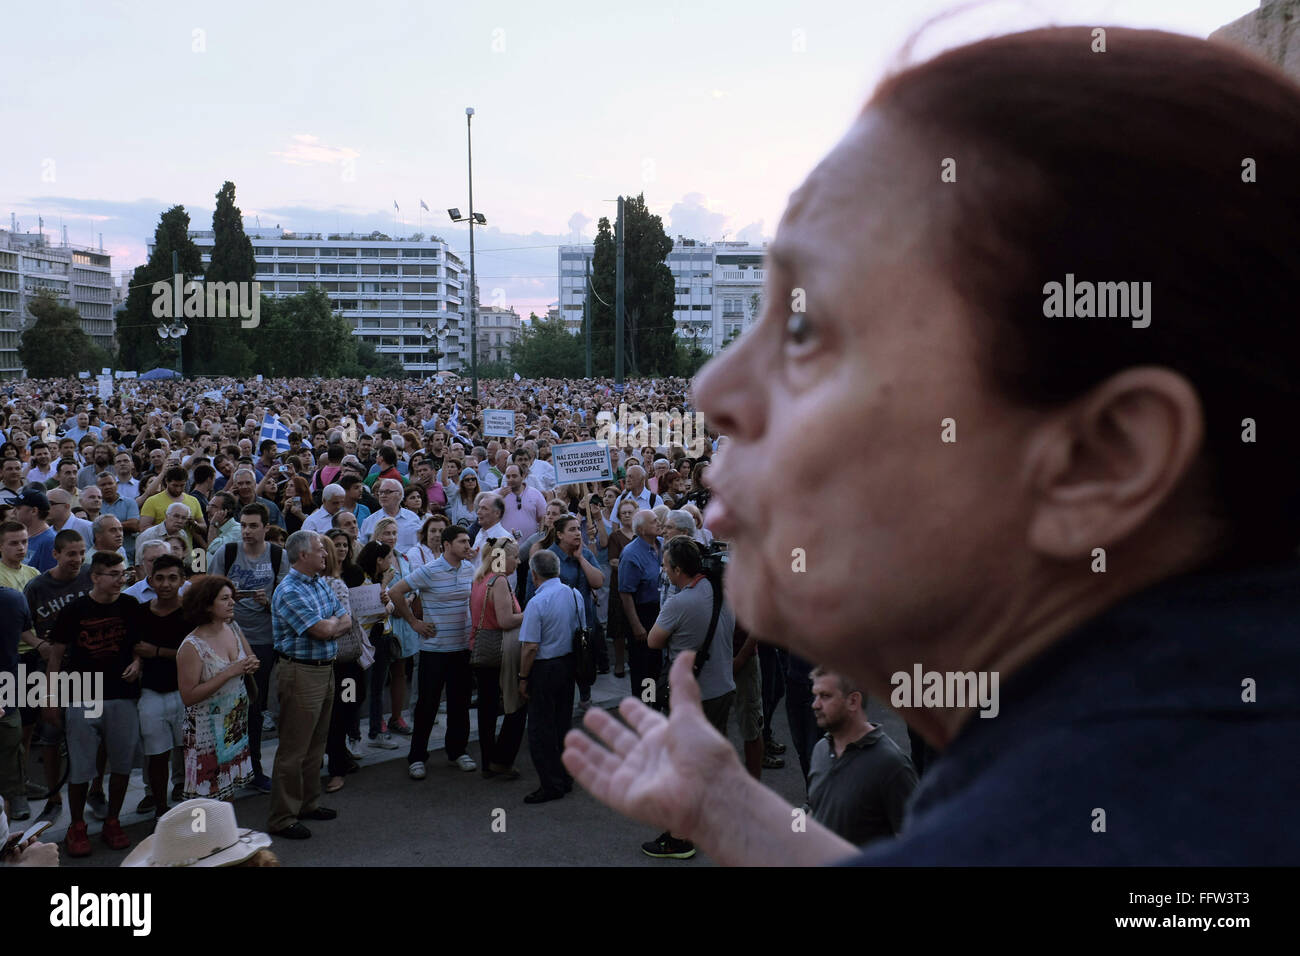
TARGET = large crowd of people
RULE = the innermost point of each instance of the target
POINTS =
(204, 568)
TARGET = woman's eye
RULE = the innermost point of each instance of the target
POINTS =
(797, 328)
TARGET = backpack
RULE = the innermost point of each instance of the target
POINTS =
(277, 558)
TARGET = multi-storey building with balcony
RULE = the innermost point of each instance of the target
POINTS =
(717, 288)
(78, 276)
(389, 289)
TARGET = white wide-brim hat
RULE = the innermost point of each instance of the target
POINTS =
(198, 833)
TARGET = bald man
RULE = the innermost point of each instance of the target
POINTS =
(61, 516)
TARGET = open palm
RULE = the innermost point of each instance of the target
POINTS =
(654, 769)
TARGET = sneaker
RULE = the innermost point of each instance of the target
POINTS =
(19, 808)
(772, 762)
(77, 841)
(384, 742)
(354, 748)
(416, 771)
(399, 726)
(466, 763)
(773, 746)
(113, 835)
(261, 783)
(98, 805)
(147, 804)
(268, 722)
(664, 847)
(53, 809)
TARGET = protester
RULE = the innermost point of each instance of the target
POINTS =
(546, 673)
(495, 611)
(159, 628)
(859, 781)
(92, 638)
(1090, 445)
(257, 568)
(444, 588)
(349, 675)
(307, 619)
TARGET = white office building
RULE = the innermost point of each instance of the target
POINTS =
(79, 277)
(389, 289)
(717, 284)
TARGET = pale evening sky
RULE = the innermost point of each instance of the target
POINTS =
(323, 114)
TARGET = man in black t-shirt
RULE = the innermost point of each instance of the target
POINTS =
(160, 627)
(92, 645)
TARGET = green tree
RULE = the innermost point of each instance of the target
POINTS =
(222, 345)
(367, 360)
(649, 343)
(55, 345)
(305, 337)
(495, 370)
(138, 344)
(546, 349)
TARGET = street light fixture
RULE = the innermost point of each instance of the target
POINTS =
(176, 330)
(472, 218)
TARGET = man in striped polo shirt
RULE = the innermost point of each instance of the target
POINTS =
(306, 619)
(444, 587)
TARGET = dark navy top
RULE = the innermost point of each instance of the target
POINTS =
(1139, 713)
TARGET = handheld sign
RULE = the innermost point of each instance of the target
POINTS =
(581, 461)
(498, 422)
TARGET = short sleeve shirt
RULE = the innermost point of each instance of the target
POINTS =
(638, 572)
(444, 596)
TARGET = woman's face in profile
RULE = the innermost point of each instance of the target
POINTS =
(841, 389)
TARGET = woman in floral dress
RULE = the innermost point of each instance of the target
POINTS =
(210, 665)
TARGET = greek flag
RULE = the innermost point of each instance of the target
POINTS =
(453, 421)
(275, 430)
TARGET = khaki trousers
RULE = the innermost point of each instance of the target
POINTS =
(306, 701)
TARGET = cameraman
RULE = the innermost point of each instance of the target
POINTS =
(683, 625)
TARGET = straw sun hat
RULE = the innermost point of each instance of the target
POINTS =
(198, 833)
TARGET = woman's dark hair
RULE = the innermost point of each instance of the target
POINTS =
(368, 559)
(196, 602)
(433, 516)
(1165, 159)
(562, 522)
(419, 490)
(350, 572)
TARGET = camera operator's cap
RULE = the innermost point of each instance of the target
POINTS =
(198, 833)
(33, 497)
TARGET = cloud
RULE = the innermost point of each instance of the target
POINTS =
(752, 233)
(577, 223)
(692, 218)
(308, 150)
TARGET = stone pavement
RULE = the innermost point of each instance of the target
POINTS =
(607, 692)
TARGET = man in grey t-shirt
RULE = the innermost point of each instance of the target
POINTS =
(256, 570)
(683, 624)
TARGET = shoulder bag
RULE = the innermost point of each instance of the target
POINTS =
(485, 645)
(584, 654)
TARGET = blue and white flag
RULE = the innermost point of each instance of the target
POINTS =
(516, 376)
(453, 421)
(275, 430)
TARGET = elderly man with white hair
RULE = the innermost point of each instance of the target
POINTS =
(332, 498)
(638, 491)
(175, 520)
(389, 491)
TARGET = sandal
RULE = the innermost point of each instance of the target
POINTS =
(334, 784)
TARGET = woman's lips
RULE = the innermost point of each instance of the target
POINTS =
(719, 519)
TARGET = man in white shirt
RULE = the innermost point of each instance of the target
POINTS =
(389, 492)
(321, 520)
(491, 509)
(42, 469)
(637, 491)
(61, 516)
(127, 485)
(541, 473)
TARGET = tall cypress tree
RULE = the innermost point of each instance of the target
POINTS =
(649, 344)
(223, 345)
(137, 338)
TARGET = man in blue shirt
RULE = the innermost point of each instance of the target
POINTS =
(547, 673)
(638, 585)
(306, 620)
(578, 570)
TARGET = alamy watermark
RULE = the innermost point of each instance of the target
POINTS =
(36, 689)
(636, 429)
(177, 298)
(1100, 300)
(946, 689)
